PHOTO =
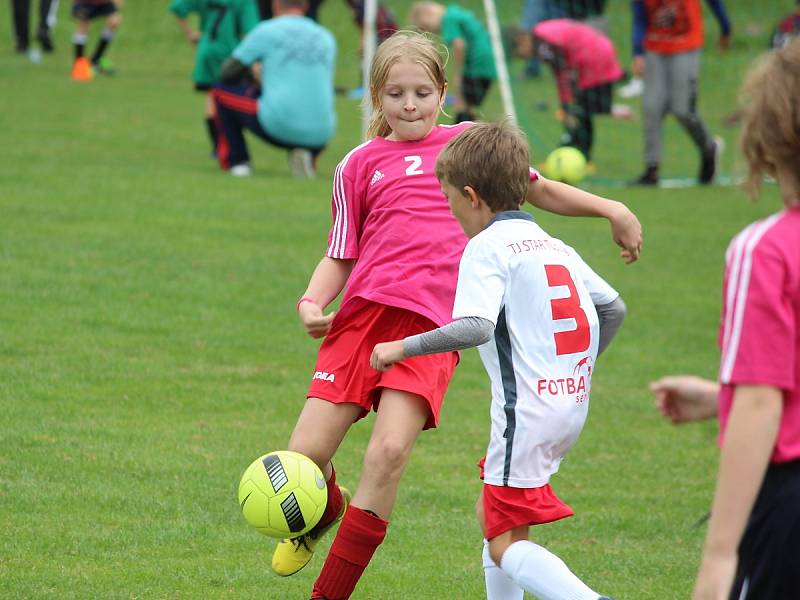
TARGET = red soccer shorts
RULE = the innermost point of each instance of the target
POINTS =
(343, 374)
(505, 508)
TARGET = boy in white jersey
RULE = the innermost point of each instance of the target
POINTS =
(540, 316)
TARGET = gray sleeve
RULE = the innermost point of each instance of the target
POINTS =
(611, 316)
(458, 335)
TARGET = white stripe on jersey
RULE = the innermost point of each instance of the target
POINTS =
(339, 237)
(738, 284)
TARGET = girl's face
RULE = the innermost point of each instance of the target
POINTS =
(410, 101)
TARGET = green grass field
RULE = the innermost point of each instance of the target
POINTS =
(149, 348)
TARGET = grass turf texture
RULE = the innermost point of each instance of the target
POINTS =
(149, 348)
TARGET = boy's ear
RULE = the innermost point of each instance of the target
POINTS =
(473, 195)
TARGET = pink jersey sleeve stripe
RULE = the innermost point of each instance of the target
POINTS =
(338, 241)
(736, 297)
(340, 220)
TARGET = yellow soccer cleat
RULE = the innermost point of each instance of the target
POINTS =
(291, 555)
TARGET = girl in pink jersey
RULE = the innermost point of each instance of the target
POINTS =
(751, 549)
(394, 249)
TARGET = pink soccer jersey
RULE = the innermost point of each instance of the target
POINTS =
(389, 213)
(760, 328)
(587, 52)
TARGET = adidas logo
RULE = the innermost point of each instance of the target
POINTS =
(376, 177)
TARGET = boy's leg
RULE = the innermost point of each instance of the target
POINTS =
(210, 119)
(79, 38)
(655, 101)
(401, 416)
(684, 76)
(20, 12)
(535, 569)
(47, 19)
(320, 429)
(235, 112)
(81, 69)
(112, 23)
(499, 586)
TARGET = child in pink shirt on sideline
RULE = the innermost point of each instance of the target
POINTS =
(585, 66)
(751, 548)
(394, 248)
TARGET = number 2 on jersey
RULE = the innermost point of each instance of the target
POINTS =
(574, 340)
(414, 167)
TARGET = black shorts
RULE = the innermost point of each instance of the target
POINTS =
(86, 11)
(769, 554)
(474, 89)
(595, 100)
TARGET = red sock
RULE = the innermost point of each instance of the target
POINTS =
(334, 505)
(358, 537)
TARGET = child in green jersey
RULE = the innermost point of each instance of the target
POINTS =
(468, 40)
(223, 23)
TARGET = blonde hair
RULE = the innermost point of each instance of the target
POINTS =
(403, 45)
(491, 158)
(771, 117)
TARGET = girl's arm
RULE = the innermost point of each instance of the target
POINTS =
(749, 442)
(327, 282)
(562, 199)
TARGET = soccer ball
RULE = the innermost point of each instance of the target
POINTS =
(283, 494)
(565, 164)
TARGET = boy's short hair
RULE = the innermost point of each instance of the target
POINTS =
(491, 158)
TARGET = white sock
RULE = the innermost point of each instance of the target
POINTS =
(543, 574)
(498, 585)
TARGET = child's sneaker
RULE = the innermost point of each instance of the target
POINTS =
(105, 67)
(709, 162)
(301, 162)
(241, 170)
(292, 555)
(82, 69)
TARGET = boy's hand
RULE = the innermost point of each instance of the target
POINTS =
(193, 37)
(627, 233)
(317, 325)
(386, 354)
(637, 67)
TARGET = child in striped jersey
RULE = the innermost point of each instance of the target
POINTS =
(751, 547)
(539, 317)
(394, 249)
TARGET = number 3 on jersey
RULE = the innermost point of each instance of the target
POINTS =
(574, 340)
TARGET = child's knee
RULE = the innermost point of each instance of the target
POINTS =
(388, 455)
(498, 547)
(114, 21)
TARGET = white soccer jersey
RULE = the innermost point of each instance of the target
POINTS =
(541, 296)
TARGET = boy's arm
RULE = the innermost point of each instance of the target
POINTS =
(192, 36)
(639, 13)
(462, 333)
(233, 71)
(327, 281)
(611, 316)
(459, 48)
(562, 199)
(718, 8)
(749, 442)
